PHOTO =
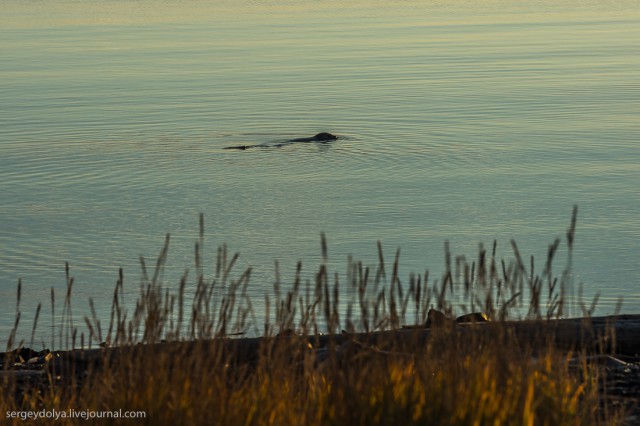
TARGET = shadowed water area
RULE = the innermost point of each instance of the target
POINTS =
(465, 121)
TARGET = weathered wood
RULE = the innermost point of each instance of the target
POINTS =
(611, 334)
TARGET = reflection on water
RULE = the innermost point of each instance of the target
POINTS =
(459, 121)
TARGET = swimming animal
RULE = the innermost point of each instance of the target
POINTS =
(320, 137)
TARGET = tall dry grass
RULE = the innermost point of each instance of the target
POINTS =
(201, 376)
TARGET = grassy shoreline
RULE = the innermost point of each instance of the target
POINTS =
(295, 376)
(447, 377)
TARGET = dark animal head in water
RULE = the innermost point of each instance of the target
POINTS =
(324, 136)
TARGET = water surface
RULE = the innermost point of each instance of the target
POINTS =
(465, 121)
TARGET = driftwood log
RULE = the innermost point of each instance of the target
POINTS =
(619, 335)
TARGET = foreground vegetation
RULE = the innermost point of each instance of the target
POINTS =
(450, 378)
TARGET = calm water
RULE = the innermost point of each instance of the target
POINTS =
(465, 121)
